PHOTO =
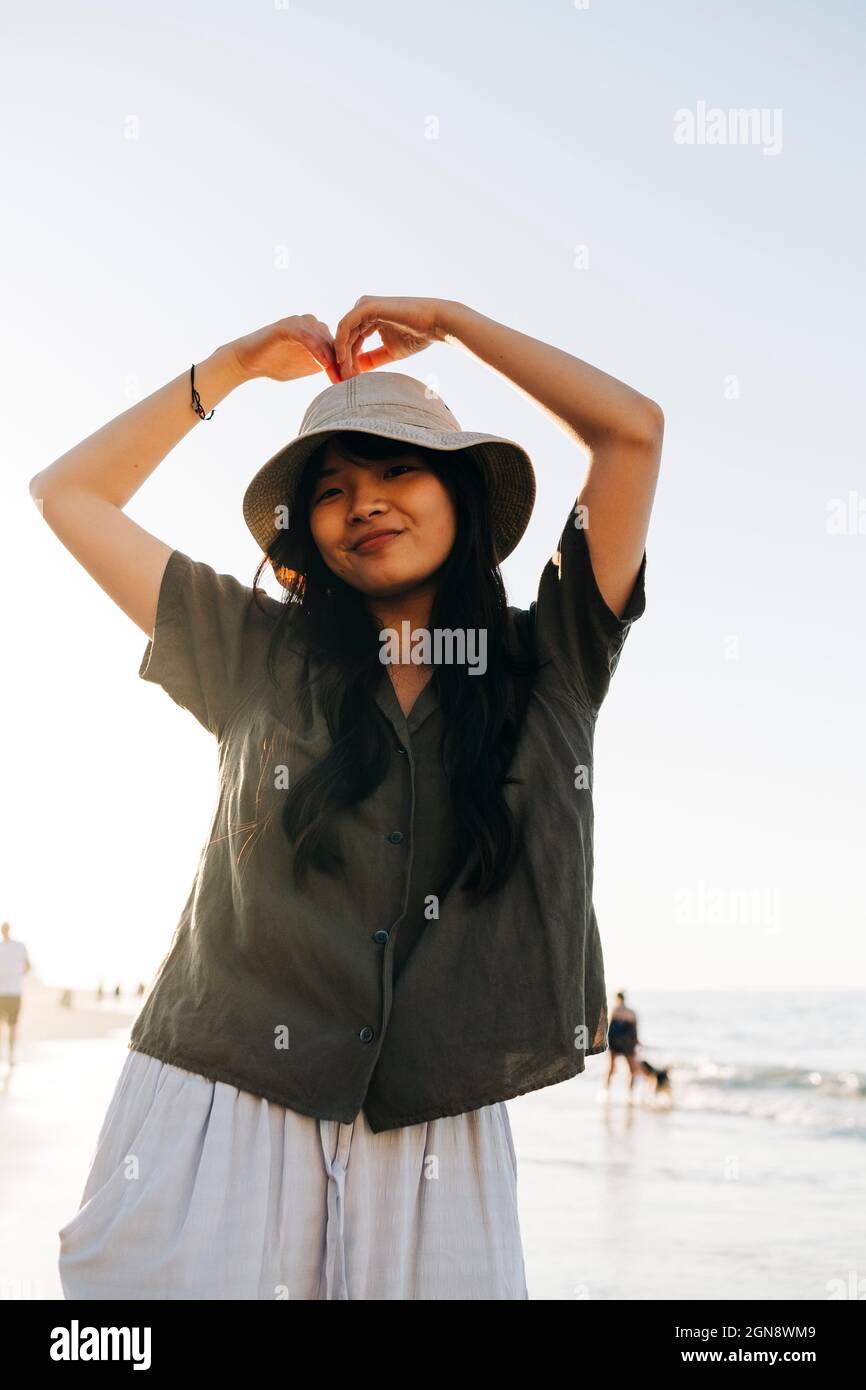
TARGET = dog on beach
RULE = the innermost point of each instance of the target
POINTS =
(658, 1079)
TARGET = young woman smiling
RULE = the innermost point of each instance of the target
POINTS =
(390, 932)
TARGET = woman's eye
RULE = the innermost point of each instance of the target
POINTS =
(409, 467)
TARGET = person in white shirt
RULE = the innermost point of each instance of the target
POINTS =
(14, 965)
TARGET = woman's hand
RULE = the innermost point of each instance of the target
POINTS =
(290, 348)
(404, 325)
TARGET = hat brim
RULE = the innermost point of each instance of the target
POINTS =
(505, 464)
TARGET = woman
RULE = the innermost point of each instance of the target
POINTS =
(391, 928)
(623, 1041)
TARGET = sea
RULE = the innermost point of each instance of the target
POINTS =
(750, 1184)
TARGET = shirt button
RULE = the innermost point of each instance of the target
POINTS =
(365, 1034)
(381, 937)
(396, 837)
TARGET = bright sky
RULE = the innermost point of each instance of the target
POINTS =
(177, 176)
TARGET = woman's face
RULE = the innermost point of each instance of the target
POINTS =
(352, 499)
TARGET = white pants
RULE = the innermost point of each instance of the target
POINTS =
(198, 1190)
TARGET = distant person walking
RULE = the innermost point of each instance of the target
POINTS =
(622, 1039)
(14, 965)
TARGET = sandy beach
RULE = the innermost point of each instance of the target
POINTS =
(51, 1105)
(750, 1187)
(43, 1019)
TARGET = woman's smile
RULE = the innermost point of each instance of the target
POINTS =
(376, 543)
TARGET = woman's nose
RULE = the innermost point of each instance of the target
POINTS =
(363, 506)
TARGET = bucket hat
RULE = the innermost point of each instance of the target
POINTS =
(395, 406)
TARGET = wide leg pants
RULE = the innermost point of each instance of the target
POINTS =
(198, 1190)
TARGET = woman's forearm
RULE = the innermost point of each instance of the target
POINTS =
(113, 462)
(587, 402)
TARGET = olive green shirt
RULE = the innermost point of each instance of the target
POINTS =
(370, 989)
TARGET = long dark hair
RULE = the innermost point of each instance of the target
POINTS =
(482, 715)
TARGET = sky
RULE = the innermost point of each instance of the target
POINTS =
(175, 177)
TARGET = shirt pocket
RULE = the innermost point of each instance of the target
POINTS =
(265, 752)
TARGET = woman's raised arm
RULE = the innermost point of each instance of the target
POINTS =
(82, 494)
(622, 429)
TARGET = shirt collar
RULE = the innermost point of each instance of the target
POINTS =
(386, 698)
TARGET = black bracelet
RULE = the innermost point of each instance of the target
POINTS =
(196, 398)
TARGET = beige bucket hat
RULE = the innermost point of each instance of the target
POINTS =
(401, 407)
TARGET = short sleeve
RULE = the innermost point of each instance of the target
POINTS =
(574, 628)
(198, 652)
